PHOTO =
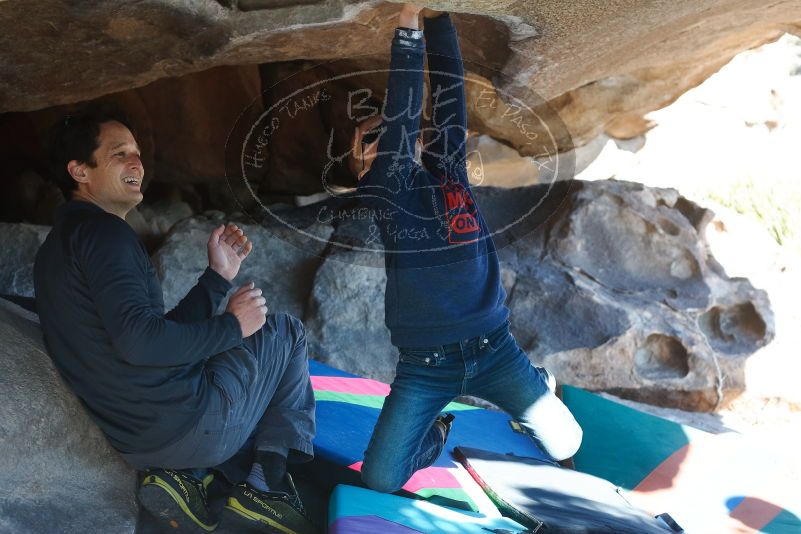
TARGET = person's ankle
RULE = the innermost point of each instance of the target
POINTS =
(273, 466)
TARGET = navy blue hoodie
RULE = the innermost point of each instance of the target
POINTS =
(443, 276)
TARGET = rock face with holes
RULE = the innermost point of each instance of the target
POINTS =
(59, 472)
(613, 289)
(627, 298)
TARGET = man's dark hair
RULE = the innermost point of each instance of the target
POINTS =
(75, 137)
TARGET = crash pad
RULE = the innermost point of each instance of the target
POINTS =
(347, 410)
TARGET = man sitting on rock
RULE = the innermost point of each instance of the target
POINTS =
(444, 299)
(181, 392)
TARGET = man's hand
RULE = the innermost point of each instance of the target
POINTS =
(249, 308)
(227, 247)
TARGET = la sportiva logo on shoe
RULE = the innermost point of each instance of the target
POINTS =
(263, 504)
(181, 485)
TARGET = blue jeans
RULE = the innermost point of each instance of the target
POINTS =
(490, 366)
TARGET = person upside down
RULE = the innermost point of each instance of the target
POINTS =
(444, 302)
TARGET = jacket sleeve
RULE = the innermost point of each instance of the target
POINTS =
(114, 263)
(445, 150)
(394, 164)
(202, 300)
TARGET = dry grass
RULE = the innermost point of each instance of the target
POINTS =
(774, 204)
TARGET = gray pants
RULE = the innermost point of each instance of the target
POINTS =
(261, 399)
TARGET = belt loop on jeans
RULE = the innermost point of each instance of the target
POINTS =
(450, 347)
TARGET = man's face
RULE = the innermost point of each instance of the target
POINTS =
(115, 182)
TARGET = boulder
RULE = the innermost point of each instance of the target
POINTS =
(492, 163)
(345, 317)
(628, 237)
(610, 285)
(19, 243)
(600, 67)
(283, 269)
(153, 221)
(641, 308)
(162, 215)
(191, 117)
(59, 472)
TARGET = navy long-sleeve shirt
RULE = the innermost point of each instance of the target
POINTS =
(139, 371)
(443, 275)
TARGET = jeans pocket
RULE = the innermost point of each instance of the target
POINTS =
(497, 341)
(419, 357)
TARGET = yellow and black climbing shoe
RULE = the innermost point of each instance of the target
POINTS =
(251, 510)
(177, 500)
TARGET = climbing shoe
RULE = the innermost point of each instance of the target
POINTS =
(178, 500)
(252, 510)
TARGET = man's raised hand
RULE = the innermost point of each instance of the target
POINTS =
(227, 247)
(249, 308)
